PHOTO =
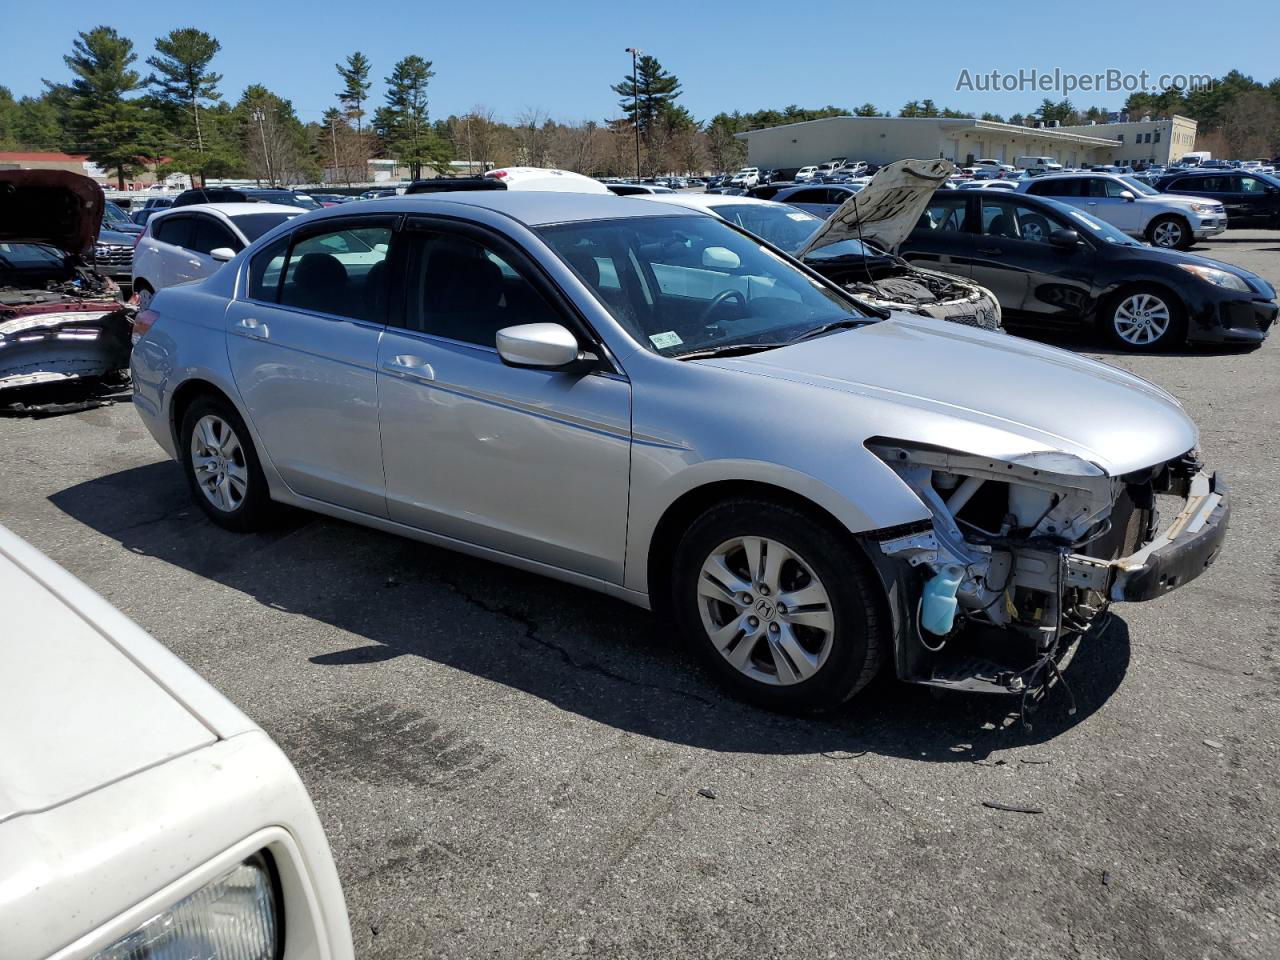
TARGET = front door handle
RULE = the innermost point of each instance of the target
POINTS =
(252, 327)
(411, 367)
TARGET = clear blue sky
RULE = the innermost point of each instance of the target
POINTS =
(561, 56)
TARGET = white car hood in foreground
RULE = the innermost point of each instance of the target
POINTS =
(86, 698)
(983, 393)
(887, 209)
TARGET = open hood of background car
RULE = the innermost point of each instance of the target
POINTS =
(56, 207)
(887, 210)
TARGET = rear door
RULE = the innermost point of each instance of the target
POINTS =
(169, 251)
(940, 240)
(1260, 201)
(208, 234)
(303, 345)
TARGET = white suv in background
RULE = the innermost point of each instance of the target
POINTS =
(1141, 211)
(746, 177)
(188, 243)
(141, 814)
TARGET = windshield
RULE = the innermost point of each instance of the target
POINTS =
(687, 283)
(1142, 188)
(30, 256)
(114, 216)
(783, 226)
(254, 225)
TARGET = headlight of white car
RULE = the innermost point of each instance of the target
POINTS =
(1206, 208)
(1219, 278)
(234, 917)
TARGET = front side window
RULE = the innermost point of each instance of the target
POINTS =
(266, 268)
(338, 272)
(682, 284)
(209, 235)
(1015, 221)
(1252, 185)
(462, 289)
(944, 213)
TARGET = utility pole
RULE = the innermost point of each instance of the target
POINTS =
(333, 135)
(261, 116)
(635, 103)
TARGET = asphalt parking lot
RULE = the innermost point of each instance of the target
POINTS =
(510, 767)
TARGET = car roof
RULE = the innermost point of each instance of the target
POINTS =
(232, 210)
(533, 208)
(704, 201)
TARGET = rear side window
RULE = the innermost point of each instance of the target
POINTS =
(265, 270)
(1066, 187)
(341, 272)
(174, 230)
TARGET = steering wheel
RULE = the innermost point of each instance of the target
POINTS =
(720, 300)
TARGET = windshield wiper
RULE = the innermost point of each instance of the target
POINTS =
(844, 323)
(727, 350)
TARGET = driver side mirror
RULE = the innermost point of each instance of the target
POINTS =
(1066, 239)
(1127, 195)
(222, 254)
(547, 346)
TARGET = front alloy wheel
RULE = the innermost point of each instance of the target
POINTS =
(218, 459)
(765, 610)
(1168, 233)
(1142, 320)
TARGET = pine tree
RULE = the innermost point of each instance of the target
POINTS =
(111, 130)
(403, 122)
(182, 77)
(650, 96)
(355, 86)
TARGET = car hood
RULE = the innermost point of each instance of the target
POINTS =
(57, 207)
(118, 237)
(989, 394)
(86, 698)
(887, 209)
(1179, 200)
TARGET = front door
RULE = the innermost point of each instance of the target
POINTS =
(1034, 280)
(529, 462)
(303, 346)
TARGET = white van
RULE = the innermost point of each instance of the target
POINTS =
(1038, 164)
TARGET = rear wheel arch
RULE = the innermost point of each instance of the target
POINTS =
(185, 395)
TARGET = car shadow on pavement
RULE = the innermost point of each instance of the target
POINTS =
(586, 653)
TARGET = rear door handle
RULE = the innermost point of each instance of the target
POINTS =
(254, 328)
(990, 250)
(410, 367)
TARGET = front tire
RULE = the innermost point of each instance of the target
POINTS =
(1170, 232)
(142, 294)
(222, 466)
(1144, 319)
(783, 609)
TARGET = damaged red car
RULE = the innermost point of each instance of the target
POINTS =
(60, 320)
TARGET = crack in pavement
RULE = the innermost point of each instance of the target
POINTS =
(531, 629)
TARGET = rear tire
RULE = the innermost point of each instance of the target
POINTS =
(143, 293)
(222, 466)
(784, 610)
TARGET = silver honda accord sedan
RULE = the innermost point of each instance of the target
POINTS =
(655, 404)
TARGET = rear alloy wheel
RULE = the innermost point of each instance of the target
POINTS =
(1169, 233)
(1035, 229)
(222, 467)
(783, 609)
(1144, 320)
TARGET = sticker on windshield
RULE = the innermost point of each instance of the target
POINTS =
(663, 340)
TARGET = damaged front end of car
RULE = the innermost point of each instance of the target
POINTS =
(61, 321)
(1022, 557)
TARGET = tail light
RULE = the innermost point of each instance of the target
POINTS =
(143, 321)
(137, 239)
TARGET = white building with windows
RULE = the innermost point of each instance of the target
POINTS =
(882, 140)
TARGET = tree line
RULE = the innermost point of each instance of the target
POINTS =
(175, 118)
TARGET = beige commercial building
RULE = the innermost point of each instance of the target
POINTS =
(882, 140)
(1146, 140)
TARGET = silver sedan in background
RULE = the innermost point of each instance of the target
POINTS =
(652, 403)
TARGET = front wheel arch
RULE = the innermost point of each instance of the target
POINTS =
(693, 503)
